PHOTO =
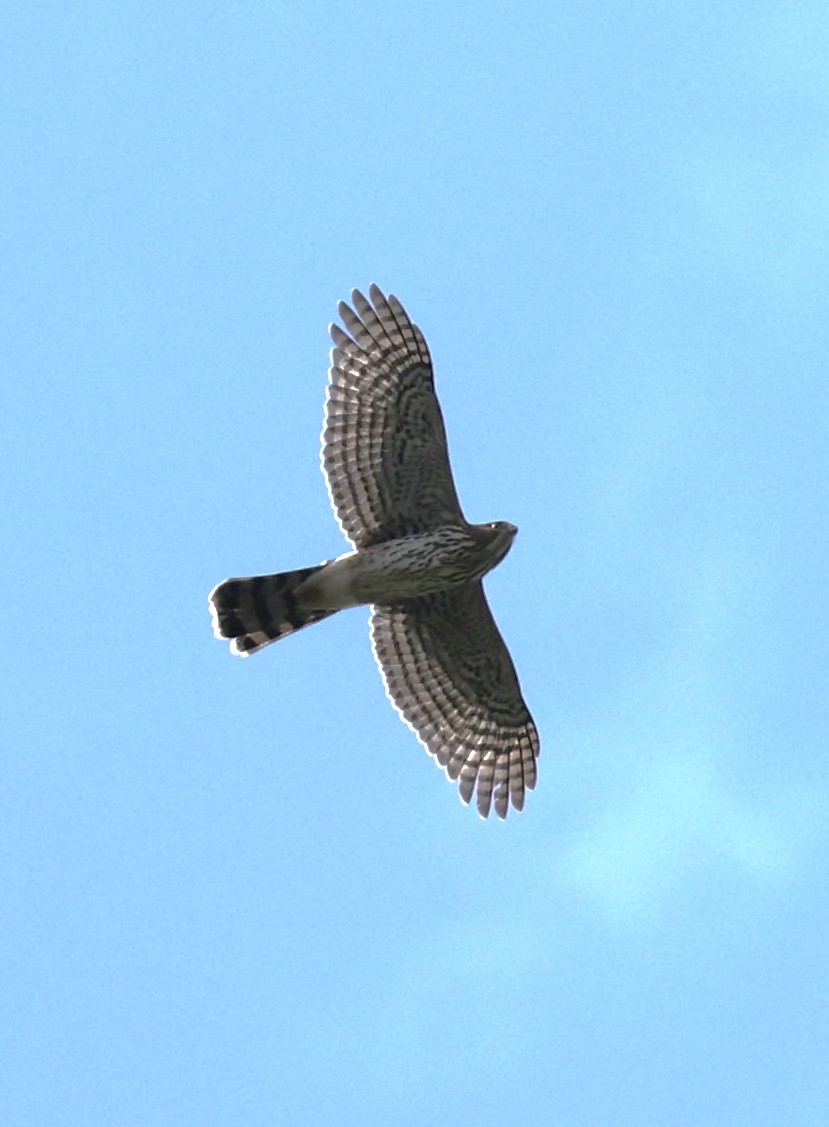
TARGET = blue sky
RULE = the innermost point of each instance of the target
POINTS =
(238, 892)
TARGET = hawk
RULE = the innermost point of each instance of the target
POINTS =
(414, 558)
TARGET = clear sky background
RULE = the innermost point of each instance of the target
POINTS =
(239, 892)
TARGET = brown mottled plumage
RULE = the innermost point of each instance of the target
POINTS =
(415, 559)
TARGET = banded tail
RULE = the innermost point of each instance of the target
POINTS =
(256, 611)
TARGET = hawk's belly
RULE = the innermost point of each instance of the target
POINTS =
(399, 569)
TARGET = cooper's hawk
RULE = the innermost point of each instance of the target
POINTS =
(415, 559)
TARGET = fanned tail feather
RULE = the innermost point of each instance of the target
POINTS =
(255, 611)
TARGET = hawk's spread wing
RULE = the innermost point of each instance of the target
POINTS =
(384, 445)
(448, 673)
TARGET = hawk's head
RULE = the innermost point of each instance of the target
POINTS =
(496, 538)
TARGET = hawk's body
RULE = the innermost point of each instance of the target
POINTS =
(415, 559)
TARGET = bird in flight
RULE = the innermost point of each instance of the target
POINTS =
(414, 558)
